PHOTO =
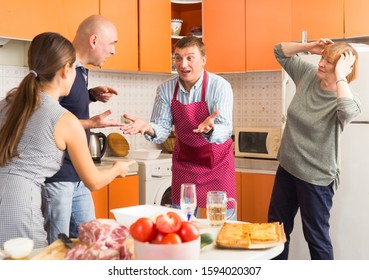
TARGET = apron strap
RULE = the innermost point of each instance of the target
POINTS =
(203, 90)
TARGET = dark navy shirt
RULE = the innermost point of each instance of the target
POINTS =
(77, 102)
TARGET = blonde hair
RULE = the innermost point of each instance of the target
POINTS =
(47, 54)
(333, 53)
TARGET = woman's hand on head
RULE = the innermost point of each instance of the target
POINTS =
(319, 45)
(344, 64)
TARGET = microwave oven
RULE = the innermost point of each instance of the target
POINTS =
(257, 142)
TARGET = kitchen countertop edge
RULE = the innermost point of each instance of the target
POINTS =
(107, 163)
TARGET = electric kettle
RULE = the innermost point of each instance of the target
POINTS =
(97, 146)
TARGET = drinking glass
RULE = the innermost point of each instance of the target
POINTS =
(216, 207)
(188, 199)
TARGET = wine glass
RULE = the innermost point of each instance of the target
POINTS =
(188, 199)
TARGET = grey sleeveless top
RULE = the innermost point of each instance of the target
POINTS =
(21, 180)
(38, 155)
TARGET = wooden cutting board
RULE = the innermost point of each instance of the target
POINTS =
(118, 144)
(57, 250)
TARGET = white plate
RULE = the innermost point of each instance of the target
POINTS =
(128, 215)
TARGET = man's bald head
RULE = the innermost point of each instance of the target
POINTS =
(95, 40)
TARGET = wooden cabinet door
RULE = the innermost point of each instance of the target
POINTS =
(224, 35)
(256, 193)
(25, 19)
(123, 192)
(321, 19)
(264, 28)
(154, 36)
(356, 18)
(124, 14)
(101, 200)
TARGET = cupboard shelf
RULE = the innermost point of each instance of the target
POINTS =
(190, 12)
(186, 1)
(180, 37)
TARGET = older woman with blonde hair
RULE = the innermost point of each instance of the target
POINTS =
(308, 172)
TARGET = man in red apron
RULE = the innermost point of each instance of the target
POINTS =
(199, 104)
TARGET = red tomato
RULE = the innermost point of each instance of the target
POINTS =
(143, 229)
(169, 222)
(158, 238)
(171, 238)
(188, 231)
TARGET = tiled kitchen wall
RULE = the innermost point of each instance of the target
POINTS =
(257, 99)
(257, 96)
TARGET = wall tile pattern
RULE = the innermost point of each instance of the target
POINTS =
(257, 97)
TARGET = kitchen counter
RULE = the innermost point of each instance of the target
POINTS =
(251, 165)
(262, 166)
(107, 162)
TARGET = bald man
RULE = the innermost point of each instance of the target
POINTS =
(68, 202)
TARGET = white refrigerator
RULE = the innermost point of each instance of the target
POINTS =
(349, 215)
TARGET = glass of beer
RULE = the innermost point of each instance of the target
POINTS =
(216, 207)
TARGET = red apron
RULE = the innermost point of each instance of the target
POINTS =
(209, 166)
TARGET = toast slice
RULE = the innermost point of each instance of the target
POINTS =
(242, 235)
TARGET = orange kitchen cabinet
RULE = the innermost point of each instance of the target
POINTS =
(264, 28)
(124, 14)
(224, 35)
(71, 14)
(321, 19)
(25, 19)
(356, 18)
(121, 192)
(154, 36)
(255, 196)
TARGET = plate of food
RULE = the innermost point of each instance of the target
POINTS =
(250, 235)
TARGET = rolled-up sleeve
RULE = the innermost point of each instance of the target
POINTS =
(347, 109)
(161, 118)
